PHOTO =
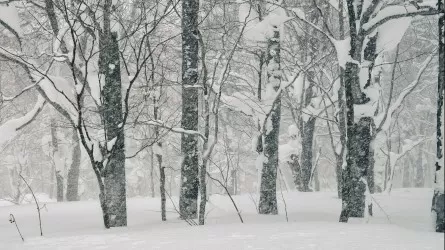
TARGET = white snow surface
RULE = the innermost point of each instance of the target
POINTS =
(312, 225)
(9, 15)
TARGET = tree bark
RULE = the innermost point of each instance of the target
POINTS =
(308, 129)
(268, 188)
(72, 188)
(438, 206)
(114, 174)
(188, 199)
(159, 160)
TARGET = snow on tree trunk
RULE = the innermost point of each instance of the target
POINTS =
(359, 125)
(114, 174)
(268, 188)
(159, 154)
(72, 188)
(188, 199)
(438, 206)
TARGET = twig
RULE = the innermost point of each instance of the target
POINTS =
(387, 216)
(189, 221)
(254, 202)
(282, 196)
(230, 196)
(12, 220)
(37, 204)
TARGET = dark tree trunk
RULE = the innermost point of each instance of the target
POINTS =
(359, 164)
(341, 109)
(159, 160)
(72, 187)
(308, 129)
(188, 199)
(338, 173)
(296, 172)
(358, 144)
(268, 188)
(152, 169)
(438, 206)
(114, 181)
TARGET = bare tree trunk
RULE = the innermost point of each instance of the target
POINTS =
(54, 144)
(114, 175)
(308, 129)
(59, 179)
(159, 160)
(188, 199)
(152, 168)
(72, 189)
(438, 206)
(268, 188)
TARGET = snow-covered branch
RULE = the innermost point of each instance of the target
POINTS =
(384, 120)
(9, 129)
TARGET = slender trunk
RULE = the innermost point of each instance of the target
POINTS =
(420, 170)
(72, 188)
(59, 179)
(340, 158)
(188, 199)
(202, 191)
(308, 129)
(152, 168)
(162, 187)
(159, 160)
(438, 206)
(55, 161)
(268, 188)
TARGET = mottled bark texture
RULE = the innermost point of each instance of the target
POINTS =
(359, 163)
(438, 206)
(188, 199)
(355, 176)
(114, 172)
(72, 186)
(268, 188)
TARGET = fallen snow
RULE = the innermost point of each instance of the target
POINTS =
(312, 225)
(9, 15)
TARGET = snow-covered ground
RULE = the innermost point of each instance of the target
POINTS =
(312, 225)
